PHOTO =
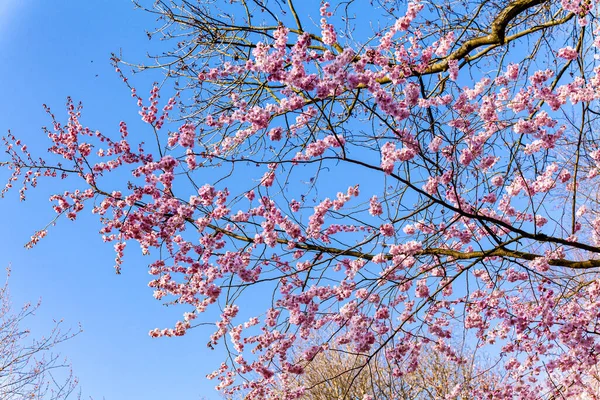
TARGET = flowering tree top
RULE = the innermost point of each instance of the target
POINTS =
(413, 176)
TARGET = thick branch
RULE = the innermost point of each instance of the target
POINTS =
(495, 37)
(458, 255)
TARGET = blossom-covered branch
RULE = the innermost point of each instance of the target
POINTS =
(427, 178)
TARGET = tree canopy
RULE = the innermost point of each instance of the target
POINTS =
(402, 176)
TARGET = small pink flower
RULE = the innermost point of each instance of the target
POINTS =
(387, 230)
(422, 290)
(453, 69)
(568, 53)
(375, 207)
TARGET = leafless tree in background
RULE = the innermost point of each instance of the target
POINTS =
(339, 373)
(29, 367)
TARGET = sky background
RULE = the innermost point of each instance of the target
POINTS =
(51, 50)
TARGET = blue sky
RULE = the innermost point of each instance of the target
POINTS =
(51, 50)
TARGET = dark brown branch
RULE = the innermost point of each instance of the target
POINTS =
(458, 255)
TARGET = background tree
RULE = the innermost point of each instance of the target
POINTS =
(392, 173)
(29, 368)
(330, 375)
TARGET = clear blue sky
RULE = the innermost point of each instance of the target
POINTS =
(50, 50)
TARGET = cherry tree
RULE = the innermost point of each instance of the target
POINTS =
(401, 175)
